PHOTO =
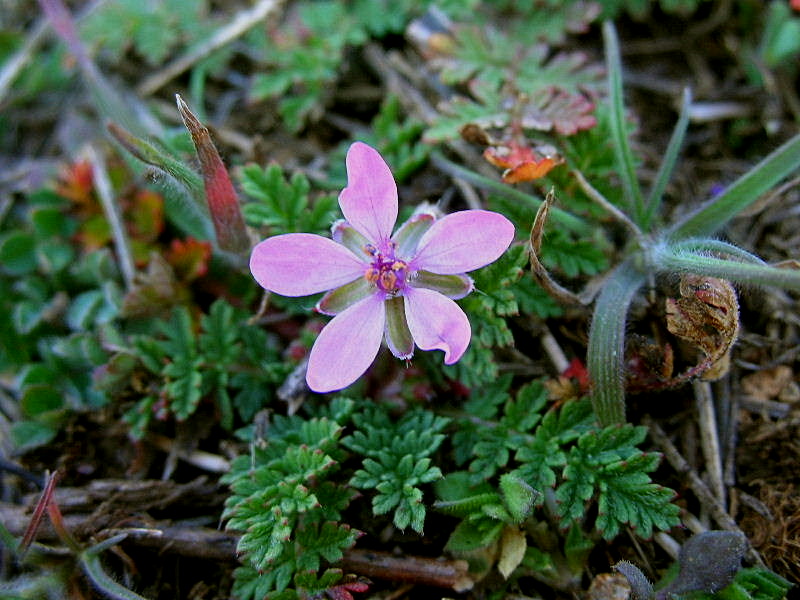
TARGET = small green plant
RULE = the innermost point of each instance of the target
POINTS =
(229, 361)
(283, 206)
(288, 495)
(54, 301)
(304, 56)
(687, 247)
(553, 465)
(397, 461)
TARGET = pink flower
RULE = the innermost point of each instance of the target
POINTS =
(401, 286)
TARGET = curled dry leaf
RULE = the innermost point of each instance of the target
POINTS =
(522, 162)
(706, 315)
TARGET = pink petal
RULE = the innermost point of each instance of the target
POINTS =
(437, 323)
(463, 241)
(369, 202)
(346, 346)
(300, 264)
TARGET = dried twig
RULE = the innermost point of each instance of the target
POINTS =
(709, 437)
(556, 291)
(694, 481)
(553, 350)
(113, 215)
(700, 489)
(242, 22)
(451, 574)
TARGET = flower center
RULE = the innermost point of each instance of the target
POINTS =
(385, 271)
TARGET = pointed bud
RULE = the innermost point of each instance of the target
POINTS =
(222, 201)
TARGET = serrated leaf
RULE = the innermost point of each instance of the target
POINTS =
(325, 541)
(576, 490)
(573, 257)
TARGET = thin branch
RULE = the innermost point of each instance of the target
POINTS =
(700, 489)
(556, 291)
(603, 202)
(242, 22)
(113, 216)
(709, 437)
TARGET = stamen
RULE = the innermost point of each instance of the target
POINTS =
(372, 274)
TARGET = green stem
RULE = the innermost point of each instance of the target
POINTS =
(606, 352)
(716, 248)
(619, 133)
(668, 164)
(561, 217)
(110, 588)
(712, 215)
(672, 260)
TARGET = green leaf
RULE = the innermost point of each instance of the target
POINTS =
(471, 535)
(27, 435)
(622, 146)
(627, 496)
(27, 315)
(397, 461)
(518, 496)
(573, 257)
(284, 205)
(41, 398)
(51, 222)
(83, 310)
(18, 253)
(326, 541)
(715, 213)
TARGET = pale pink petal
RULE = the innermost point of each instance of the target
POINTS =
(369, 202)
(300, 264)
(437, 323)
(463, 241)
(346, 346)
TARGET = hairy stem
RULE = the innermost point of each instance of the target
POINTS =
(606, 351)
(668, 259)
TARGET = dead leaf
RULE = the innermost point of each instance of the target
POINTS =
(609, 586)
(706, 315)
(512, 550)
(768, 384)
(522, 162)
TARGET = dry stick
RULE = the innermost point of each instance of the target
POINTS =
(22, 57)
(553, 350)
(709, 438)
(697, 485)
(700, 489)
(556, 291)
(243, 21)
(452, 574)
(113, 216)
(601, 200)
(212, 544)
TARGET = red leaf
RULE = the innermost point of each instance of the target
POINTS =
(521, 163)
